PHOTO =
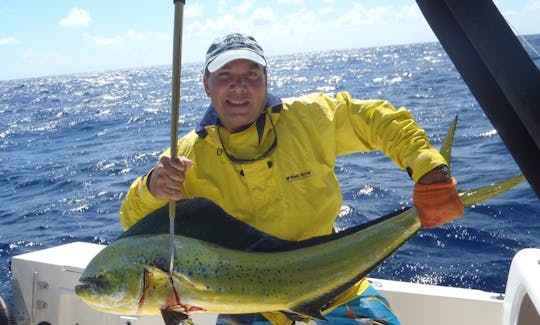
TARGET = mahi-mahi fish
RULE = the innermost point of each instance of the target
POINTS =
(222, 265)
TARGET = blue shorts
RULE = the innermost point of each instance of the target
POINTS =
(370, 308)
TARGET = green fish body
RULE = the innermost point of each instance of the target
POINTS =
(130, 277)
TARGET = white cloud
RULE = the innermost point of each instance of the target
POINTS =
(290, 1)
(194, 28)
(130, 35)
(303, 18)
(163, 37)
(310, 29)
(193, 10)
(224, 6)
(8, 41)
(216, 27)
(244, 7)
(76, 18)
(327, 10)
(263, 16)
(43, 58)
(409, 13)
(134, 35)
(383, 20)
(105, 41)
(361, 15)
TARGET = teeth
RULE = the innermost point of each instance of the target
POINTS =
(236, 102)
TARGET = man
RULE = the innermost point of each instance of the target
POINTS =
(270, 162)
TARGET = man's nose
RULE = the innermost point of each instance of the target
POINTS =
(238, 83)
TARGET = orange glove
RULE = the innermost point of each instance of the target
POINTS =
(437, 203)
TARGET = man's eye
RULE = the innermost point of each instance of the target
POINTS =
(253, 75)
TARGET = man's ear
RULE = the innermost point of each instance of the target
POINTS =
(205, 83)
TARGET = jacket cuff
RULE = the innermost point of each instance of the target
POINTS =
(143, 192)
(425, 162)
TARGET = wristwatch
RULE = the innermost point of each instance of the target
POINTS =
(443, 169)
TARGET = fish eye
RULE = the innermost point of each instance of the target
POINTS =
(100, 278)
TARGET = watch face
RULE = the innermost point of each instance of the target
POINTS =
(444, 169)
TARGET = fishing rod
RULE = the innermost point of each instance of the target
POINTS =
(175, 108)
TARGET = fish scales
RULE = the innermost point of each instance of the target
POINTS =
(221, 280)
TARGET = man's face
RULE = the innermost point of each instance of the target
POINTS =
(238, 92)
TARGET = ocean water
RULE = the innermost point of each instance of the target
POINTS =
(71, 145)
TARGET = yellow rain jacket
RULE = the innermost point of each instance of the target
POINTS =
(292, 191)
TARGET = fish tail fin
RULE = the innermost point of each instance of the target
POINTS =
(474, 196)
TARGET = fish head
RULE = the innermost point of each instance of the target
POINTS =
(113, 281)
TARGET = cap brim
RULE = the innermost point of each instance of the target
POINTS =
(231, 55)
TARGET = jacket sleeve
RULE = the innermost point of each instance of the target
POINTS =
(377, 125)
(138, 202)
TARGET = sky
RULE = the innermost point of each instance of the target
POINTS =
(45, 38)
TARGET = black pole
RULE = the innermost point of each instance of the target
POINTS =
(497, 70)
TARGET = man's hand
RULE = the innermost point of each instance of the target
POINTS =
(436, 199)
(166, 180)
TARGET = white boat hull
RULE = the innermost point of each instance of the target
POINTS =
(44, 284)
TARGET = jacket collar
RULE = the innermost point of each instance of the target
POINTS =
(210, 117)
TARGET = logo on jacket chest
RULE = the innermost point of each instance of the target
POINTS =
(299, 176)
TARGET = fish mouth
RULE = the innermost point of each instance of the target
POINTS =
(85, 288)
(95, 292)
(91, 286)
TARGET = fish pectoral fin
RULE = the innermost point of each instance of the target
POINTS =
(156, 276)
(309, 310)
(160, 277)
(175, 317)
(186, 282)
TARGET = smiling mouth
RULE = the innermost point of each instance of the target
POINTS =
(237, 102)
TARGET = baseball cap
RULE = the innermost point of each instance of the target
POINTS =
(232, 47)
